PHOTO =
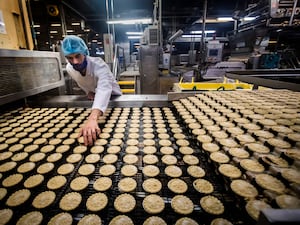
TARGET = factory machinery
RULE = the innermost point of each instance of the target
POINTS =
(228, 157)
(269, 41)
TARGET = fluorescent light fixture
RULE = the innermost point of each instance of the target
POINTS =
(134, 33)
(70, 31)
(211, 21)
(200, 32)
(191, 36)
(229, 19)
(94, 40)
(53, 31)
(249, 18)
(130, 21)
(75, 24)
(37, 32)
(215, 20)
(225, 19)
(36, 26)
(55, 25)
(134, 37)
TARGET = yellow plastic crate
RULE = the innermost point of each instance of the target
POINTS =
(197, 86)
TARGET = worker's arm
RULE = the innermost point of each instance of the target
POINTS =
(90, 130)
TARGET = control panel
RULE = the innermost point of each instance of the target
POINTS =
(283, 8)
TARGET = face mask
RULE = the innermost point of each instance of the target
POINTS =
(80, 67)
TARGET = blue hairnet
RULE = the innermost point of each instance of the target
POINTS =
(73, 44)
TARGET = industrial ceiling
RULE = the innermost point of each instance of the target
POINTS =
(176, 14)
(90, 17)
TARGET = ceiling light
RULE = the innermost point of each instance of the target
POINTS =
(53, 31)
(200, 32)
(191, 36)
(75, 24)
(36, 26)
(249, 18)
(225, 19)
(134, 37)
(211, 21)
(55, 25)
(130, 21)
(70, 31)
(134, 33)
(229, 19)
(215, 20)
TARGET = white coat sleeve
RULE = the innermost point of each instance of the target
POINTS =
(104, 86)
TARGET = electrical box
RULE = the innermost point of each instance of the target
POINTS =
(151, 35)
(214, 51)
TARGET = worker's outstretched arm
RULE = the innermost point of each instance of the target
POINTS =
(90, 130)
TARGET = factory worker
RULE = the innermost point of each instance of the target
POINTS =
(94, 77)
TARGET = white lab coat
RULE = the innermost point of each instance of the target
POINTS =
(98, 79)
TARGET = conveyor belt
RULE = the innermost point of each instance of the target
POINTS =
(221, 103)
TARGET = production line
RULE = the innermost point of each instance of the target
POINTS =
(211, 155)
(188, 117)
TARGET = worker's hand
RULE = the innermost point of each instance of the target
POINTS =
(90, 130)
(91, 95)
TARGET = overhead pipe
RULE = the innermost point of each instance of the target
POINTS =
(112, 17)
(63, 19)
(74, 10)
(202, 52)
(107, 15)
(157, 18)
(160, 24)
(33, 33)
